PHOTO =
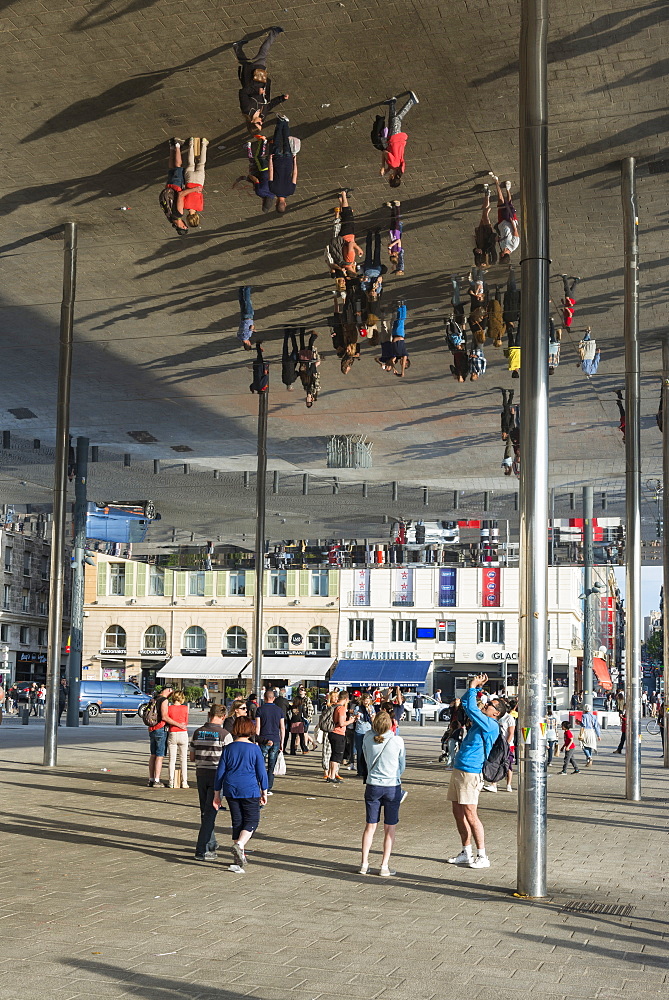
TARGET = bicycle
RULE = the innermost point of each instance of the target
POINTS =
(653, 727)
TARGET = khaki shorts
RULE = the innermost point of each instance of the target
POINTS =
(464, 787)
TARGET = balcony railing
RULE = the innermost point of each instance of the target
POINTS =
(402, 600)
(358, 600)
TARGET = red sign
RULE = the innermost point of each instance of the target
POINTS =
(491, 589)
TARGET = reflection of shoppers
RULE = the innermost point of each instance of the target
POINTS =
(242, 778)
(282, 165)
(569, 302)
(246, 328)
(289, 358)
(507, 221)
(254, 96)
(589, 354)
(393, 155)
(485, 250)
(347, 232)
(309, 361)
(385, 761)
(191, 199)
(177, 740)
(174, 184)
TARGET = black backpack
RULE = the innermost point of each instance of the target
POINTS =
(496, 765)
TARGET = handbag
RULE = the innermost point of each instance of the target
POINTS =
(280, 766)
(581, 734)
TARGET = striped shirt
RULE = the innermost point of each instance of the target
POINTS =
(207, 744)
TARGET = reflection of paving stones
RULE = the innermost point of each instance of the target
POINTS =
(156, 316)
(103, 897)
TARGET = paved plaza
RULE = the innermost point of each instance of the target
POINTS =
(102, 898)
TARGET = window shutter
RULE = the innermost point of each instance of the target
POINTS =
(209, 583)
(129, 579)
(222, 583)
(305, 580)
(266, 581)
(102, 579)
(180, 584)
(250, 582)
(333, 583)
(141, 579)
(169, 583)
(292, 577)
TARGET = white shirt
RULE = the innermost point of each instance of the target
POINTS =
(506, 723)
(507, 239)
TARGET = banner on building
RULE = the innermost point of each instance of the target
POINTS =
(361, 587)
(403, 586)
(491, 590)
(447, 583)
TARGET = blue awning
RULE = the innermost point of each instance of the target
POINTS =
(381, 673)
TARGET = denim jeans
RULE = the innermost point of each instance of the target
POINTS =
(269, 756)
(361, 767)
(552, 745)
(206, 838)
(245, 306)
(587, 751)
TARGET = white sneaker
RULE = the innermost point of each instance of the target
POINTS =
(237, 869)
(386, 872)
(494, 176)
(184, 784)
(480, 862)
(463, 858)
(507, 185)
(509, 788)
(489, 788)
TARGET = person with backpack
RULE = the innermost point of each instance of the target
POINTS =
(385, 761)
(190, 200)
(175, 183)
(154, 717)
(507, 724)
(255, 91)
(325, 726)
(483, 751)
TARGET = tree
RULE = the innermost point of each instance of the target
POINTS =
(655, 646)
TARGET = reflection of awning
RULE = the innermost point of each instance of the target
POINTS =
(381, 673)
(602, 673)
(294, 668)
(190, 667)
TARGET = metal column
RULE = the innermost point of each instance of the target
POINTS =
(665, 526)
(588, 611)
(56, 575)
(632, 483)
(532, 680)
(261, 486)
(79, 569)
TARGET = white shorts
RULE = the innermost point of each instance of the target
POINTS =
(464, 787)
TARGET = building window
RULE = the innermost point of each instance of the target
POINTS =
(26, 564)
(41, 637)
(548, 632)
(238, 584)
(403, 630)
(490, 631)
(446, 631)
(8, 559)
(25, 600)
(45, 567)
(195, 639)
(43, 607)
(196, 584)
(156, 581)
(117, 579)
(155, 637)
(361, 629)
(6, 596)
(320, 583)
(236, 640)
(319, 639)
(277, 583)
(4, 633)
(277, 637)
(114, 637)
(24, 635)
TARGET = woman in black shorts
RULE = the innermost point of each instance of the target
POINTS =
(337, 737)
(385, 760)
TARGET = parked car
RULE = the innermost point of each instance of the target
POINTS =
(434, 711)
(111, 696)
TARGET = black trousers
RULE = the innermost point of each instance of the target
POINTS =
(206, 838)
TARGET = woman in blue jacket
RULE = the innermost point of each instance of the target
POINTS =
(242, 776)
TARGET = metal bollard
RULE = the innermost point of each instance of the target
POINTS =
(604, 722)
(25, 716)
(85, 717)
(423, 720)
(40, 711)
(119, 718)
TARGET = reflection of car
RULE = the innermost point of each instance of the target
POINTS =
(145, 508)
(433, 710)
(111, 696)
(432, 532)
(113, 522)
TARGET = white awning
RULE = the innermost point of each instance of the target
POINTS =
(190, 667)
(293, 668)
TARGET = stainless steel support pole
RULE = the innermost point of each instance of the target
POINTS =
(632, 483)
(535, 263)
(56, 574)
(665, 530)
(79, 570)
(588, 610)
(261, 487)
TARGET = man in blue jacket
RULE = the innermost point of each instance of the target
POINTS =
(466, 779)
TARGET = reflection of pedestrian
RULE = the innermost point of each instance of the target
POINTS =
(554, 339)
(289, 358)
(621, 411)
(569, 302)
(254, 96)
(191, 199)
(512, 350)
(477, 363)
(260, 381)
(62, 698)
(282, 165)
(246, 327)
(456, 301)
(174, 184)
(496, 318)
(623, 733)
(349, 247)
(507, 221)
(395, 249)
(258, 175)
(485, 250)
(393, 351)
(309, 361)
(589, 354)
(393, 155)
(373, 269)
(507, 416)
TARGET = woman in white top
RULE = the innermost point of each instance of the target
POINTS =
(385, 760)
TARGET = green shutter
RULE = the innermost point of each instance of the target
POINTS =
(222, 583)
(209, 583)
(169, 583)
(250, 582)
(266, 584)
(180, 584)
(292, 577)
(333, 583)
(102, 579)
(141, 579)
(305, 580)
(129, 579)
